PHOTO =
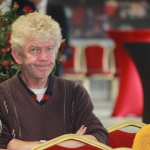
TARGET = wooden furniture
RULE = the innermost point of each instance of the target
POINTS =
(99, 62)
(74, 68)
(120, 138)
(90, 144)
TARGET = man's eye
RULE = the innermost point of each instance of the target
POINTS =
(33, 50)
(50, 49)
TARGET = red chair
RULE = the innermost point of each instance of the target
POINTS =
(73, 65)
(85, 147)
(99, 61)
(69, 65)
(96, 59)
(89, 144)
(121, 138)
(74, 68)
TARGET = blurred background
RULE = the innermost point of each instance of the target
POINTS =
(100, 62)
(107, 51)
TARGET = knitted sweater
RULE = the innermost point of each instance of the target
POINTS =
(68, 108)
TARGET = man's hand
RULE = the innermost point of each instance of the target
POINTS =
(82, 130)
(74, 143)
(15, 144)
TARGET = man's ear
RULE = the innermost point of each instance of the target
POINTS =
(17, 56)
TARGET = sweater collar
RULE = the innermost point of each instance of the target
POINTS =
(48, 90)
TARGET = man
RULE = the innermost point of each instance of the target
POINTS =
(57, 12)
(36, 105)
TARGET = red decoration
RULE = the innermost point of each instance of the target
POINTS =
(4, 50)
(27, 9)
(5, 63)
(8, 38)
(15, 5)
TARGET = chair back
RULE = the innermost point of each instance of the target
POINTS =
(96, 58)
(75, 64)
(89, 144)
(69, 65)
(119, 138)
(85, 147)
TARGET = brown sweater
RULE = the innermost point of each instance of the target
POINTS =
(68, 108)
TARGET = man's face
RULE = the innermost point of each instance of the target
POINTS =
(38, 58)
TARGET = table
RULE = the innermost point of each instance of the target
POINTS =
(140, 54)
(130, 96)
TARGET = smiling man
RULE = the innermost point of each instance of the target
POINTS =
(35, 105)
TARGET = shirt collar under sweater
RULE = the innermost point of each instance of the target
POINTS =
(49, 87)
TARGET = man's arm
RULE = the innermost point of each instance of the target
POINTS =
(16, 144)
(84, 115)
(75, 144)
(5, 135)
(24, 145)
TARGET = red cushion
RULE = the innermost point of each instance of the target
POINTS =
(94, 58)
(69, 65)
(94, 55)
(120, 138)
(85, 147)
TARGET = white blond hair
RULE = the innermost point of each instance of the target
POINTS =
(36, 25)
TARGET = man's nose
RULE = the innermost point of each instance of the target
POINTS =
(43, 55)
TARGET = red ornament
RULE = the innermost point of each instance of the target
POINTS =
(8, 38)
(4, 50)
(27, 9)
(5, 63)
(15, 5)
